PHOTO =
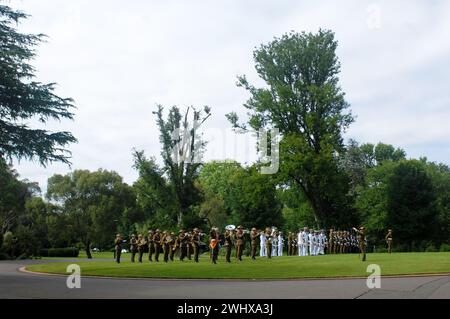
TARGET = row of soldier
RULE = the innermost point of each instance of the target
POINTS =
(270, 241)
(165, 242)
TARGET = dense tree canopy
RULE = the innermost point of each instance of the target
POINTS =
(400, 195)
(249, 198)
(93, 203)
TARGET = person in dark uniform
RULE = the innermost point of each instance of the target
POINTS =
(214, 246)
(239, 242)
(189, 248)
(157, 243)
(269, 242)
(330, 246)
(195, 243)
(133, 247)
(151, 246)
(389, 240)
(165, 240)
(254, 236)
(228, 244)
(362, 241)
(118, 248)
(173, 245)
(294, 244)
(141, 244)
(182, 243)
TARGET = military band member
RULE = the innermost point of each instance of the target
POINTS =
(362, 241)
(172, 245)
(254, 242)
(133, 247)
(189, 248)
(166, 240)
(151, 246)
(239, 242)
(269, 238)
(214, 246)
(118, 247)
(182, 244)
(141, 242)
(228, 245)
(389, 240)
(157, 242)
(195, 242)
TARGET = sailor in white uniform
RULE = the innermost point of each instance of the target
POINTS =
(322, 242)
(262, 245)
(305, 241)
(312, 244)
(280, 244)
(275, 244)
(300, 243)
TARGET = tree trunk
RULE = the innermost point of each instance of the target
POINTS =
(88, 250)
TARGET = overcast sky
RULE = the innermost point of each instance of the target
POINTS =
(118, 59)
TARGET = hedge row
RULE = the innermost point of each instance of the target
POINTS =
(60, 252)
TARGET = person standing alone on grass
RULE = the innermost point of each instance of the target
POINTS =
(389, 241)
(362, 241)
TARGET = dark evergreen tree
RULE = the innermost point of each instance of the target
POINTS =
(23, 99)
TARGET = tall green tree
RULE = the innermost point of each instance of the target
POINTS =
(93, 203)
(303, 99)
(182, 148)
(23, 99)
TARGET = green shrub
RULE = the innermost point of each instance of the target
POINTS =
(60, 252)
(444, 248)
(431, 248)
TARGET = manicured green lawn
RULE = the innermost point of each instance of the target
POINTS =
(278, 268)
